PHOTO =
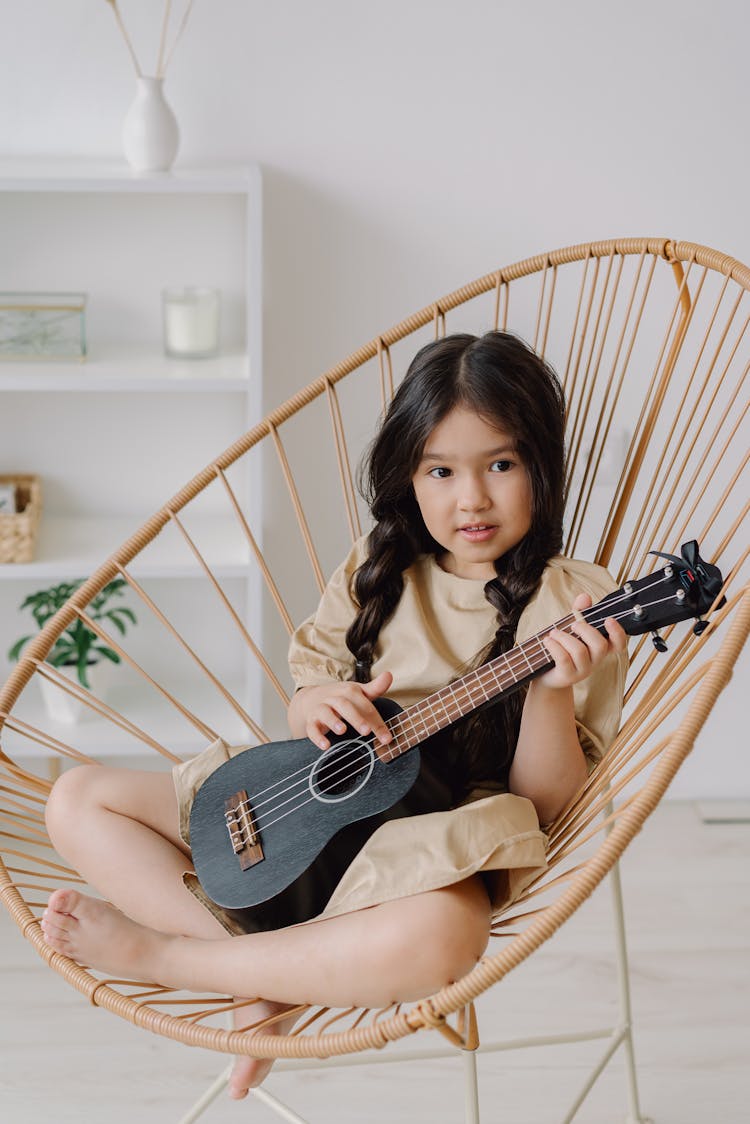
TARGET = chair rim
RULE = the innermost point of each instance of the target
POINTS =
(432, 1011)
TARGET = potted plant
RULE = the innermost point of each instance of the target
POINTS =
(77, 648)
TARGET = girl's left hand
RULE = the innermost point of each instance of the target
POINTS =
(577, 653)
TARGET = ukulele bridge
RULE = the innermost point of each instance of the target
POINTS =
(243, 833)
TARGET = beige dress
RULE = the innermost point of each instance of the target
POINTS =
(442, 622)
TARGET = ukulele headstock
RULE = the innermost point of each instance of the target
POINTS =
(686, 587)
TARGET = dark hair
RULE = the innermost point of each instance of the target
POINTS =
(509, 386)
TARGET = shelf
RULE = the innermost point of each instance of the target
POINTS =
(115, 176)
(129, 370)
(143, 707)
(72, 547)
(98, 227)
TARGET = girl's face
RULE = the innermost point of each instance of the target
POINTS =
(473, 492)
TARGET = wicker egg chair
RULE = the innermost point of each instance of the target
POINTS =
(650, 339)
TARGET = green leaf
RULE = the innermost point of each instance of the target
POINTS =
(62, 654)
(77, 644)
(15, 651)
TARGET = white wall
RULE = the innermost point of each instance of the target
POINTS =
(411, 145)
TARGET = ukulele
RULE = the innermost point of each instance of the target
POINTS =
(262, 818)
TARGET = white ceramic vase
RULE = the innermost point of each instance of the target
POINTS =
(64, 707)
(150, 134)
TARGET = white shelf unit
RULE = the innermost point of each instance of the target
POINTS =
(115, 435)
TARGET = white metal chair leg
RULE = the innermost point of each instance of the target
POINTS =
(276, 1105)
(471, 1088)
(623, 975)
(221, 1082)
(207, 1098)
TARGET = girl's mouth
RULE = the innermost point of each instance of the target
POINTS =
(477, 532)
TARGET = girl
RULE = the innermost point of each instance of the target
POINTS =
(465, 483)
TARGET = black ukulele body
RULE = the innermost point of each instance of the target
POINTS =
(313, 811)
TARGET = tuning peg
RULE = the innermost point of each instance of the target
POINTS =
(700, 627)
(659, 643)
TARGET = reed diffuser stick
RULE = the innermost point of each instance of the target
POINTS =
(163, 40)
(126, 37)
(178, 36)
(165, 54)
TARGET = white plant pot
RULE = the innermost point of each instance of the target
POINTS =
(150, 134)
(65, 708)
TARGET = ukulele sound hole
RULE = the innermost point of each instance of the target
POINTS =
(341, 771)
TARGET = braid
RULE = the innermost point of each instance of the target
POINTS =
(492, 734)
(378, 585)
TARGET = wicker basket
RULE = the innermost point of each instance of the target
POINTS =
(18, 531)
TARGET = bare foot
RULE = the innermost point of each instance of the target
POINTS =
(94, 933)
(248, 1072)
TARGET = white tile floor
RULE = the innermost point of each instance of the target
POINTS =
(688, 903)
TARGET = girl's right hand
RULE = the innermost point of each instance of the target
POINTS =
(315, 710)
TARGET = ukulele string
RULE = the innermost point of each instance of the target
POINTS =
(357, 745)
(483, 675)
(566, 624)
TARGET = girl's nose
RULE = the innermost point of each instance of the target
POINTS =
(473, 494)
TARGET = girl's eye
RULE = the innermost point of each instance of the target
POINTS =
(501, 466)
(439, 473)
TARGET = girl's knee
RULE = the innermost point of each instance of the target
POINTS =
(73, 793)
(451, 933)
(463, 935)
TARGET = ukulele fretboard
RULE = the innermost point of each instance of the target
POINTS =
(440, 709)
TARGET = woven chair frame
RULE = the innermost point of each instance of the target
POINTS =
(679, 478)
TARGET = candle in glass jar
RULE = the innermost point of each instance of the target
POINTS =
(191, 322)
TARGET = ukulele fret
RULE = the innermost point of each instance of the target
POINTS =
(498, 680)
(435, 718)
(508, 668)
(524, 653)
(453, 705)
(479, 679)
(418, 725)
(543, 656)
(445, 707)
(462, 704)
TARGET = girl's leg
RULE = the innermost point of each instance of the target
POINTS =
(118, 829)
(394, 952)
